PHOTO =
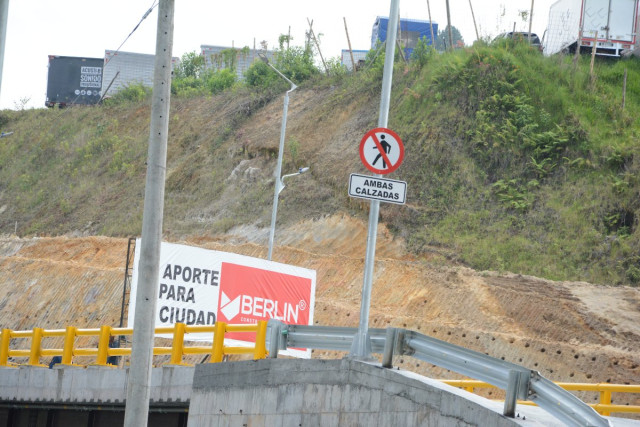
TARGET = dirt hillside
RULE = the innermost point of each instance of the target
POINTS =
(569, 331)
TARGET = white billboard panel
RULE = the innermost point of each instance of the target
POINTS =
(201, 286)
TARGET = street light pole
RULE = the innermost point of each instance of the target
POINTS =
(4, 12)
(276, 173)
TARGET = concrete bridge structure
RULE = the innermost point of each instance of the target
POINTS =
(268, 392)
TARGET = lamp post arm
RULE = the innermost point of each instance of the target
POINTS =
(293, 85)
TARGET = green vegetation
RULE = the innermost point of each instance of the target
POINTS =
(514, 161)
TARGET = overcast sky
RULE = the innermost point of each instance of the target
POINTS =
(86, 28)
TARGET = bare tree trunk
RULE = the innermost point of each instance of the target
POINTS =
(473, 16)
(433, 40)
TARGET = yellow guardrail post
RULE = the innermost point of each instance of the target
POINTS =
(69, 342)
(177, 347)
(218, 342)
(4, 347)
(36, 349)
(260, 351)
(103, 345)
(605, 398)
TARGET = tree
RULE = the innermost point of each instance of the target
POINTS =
(191, 65)
(442, 39)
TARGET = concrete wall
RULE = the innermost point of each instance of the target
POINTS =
(279, 392)
(170, 385)
(243, 61)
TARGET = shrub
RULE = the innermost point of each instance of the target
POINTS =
(130, 93)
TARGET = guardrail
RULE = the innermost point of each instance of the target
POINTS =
(217, 350)
(603, 407)
(518, 382)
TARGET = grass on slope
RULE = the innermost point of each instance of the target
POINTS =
(514, 161)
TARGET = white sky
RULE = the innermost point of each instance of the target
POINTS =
(86, 28)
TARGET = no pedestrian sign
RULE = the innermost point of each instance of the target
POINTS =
(374, 188)
(381, 150)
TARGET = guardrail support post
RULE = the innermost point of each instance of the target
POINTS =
(389, 347)
(177, 346)
(36, 349)
(273, 336)
(260, 351)
(218, 342)
(511, 395)
(103, 345)
(69, 342)
(4, 347)
(605, 398)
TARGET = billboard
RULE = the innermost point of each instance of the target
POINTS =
(73, 80)
(201, 286)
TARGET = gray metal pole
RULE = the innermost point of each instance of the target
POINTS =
(139, 381)
(4, 13)
(278, 171)
(361, 344)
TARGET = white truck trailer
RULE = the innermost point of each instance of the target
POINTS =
(612, 25)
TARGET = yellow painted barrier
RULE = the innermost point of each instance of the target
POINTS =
(603, 407)
(177, 351)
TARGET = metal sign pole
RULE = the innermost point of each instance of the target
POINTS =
(139, 382)
(4, 12)
(361, 344)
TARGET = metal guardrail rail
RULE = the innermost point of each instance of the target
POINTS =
(519, 383)
(217, 350)
(603, 407)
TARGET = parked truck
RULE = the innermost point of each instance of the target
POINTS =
(73, 80)
(610, 25)
(409, 32)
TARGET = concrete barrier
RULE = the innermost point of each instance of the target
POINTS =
(335, 393)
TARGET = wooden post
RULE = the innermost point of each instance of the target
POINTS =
(577, 53)
(624, 88)
(433, 40)
(474, 21)
(353, 64)
(317, 45)
(398, 41)
(593, 57)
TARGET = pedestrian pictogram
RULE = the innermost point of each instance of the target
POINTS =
(381, 150)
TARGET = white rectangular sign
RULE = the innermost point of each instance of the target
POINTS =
(374, 188)
(201, 286)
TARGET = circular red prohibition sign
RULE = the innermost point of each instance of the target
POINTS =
(381, 150)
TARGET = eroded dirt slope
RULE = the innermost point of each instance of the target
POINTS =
(569, 331)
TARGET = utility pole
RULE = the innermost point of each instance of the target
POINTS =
(139, 382)
(4, 13)
(530, 21)
(449, 27)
